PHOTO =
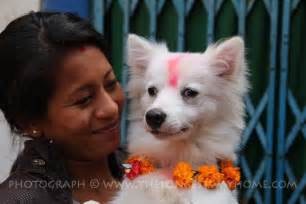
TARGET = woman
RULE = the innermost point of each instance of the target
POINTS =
(58, 88)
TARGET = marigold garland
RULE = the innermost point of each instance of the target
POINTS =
(231, 174)
(209, 176)
(183, 174)
(139, 166)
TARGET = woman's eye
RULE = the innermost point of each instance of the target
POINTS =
(84, 101)
(110, 86)
(189, 93)
(152, 91)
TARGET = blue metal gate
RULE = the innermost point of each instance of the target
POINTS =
(288, 134)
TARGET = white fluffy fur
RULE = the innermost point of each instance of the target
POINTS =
(214, 117)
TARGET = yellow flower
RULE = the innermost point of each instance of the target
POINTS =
(182, 175)
(209, 176)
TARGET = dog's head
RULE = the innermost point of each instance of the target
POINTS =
(180, 93)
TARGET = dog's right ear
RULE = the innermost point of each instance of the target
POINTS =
(139, 52)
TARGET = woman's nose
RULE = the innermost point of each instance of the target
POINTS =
(106, 108)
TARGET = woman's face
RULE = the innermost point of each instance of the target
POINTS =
(84, 113)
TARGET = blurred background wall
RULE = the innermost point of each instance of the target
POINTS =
(9, 10)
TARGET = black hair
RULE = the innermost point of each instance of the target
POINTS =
(30, 48)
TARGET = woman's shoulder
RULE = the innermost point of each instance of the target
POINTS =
(37, 176)
(22, 188)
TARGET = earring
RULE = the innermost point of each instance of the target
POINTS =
(36, 133)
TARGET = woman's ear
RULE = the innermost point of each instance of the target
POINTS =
(31, 129)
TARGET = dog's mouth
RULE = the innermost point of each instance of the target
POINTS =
(164, 134)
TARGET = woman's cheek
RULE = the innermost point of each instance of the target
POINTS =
(76, 122)
(119, 98)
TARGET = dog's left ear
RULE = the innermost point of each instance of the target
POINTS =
(228, 57)
(139, 52)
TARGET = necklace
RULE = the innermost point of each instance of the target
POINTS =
(209, 176)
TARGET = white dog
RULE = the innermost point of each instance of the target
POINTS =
(184, 107)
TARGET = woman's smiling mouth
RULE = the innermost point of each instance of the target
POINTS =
(112, 127)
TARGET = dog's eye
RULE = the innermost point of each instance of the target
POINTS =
(152, 91)
(189, 93)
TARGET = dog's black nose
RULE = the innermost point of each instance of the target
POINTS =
(155, 118)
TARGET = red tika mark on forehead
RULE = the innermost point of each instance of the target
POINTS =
(173, 72)
(82, 49)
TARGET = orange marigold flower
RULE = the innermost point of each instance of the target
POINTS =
(134, 171)
(209, 176)
(226, 163)
(133, 159)
(182, 175)
(146, 166)
(139, 166)
(231, 174)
